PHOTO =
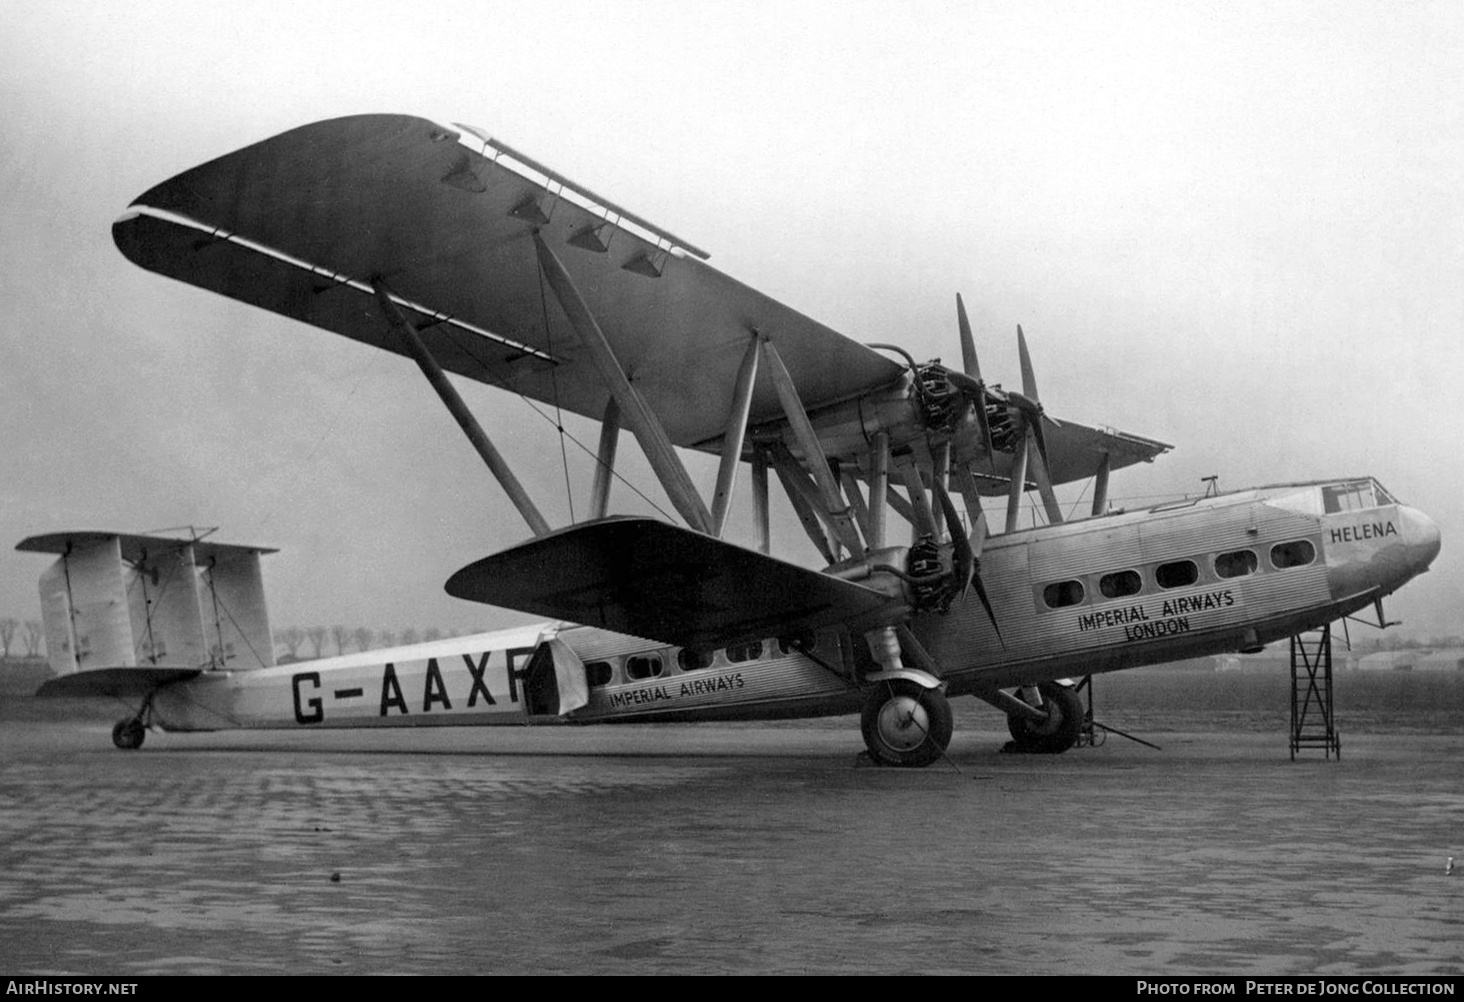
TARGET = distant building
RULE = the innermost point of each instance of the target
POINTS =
(1417, 659)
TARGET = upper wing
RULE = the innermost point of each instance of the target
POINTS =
(301, 224)
(1075, 450)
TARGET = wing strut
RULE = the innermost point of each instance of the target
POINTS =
(903, 508)
(643, 422)
(1044, 486)
(879, 488)
(733, 436)
(1018, 480)
(469, 424)
(1100, 486)
(814, 457)
(856, 500)
(605, 460)
(761, 522)
(924, 520)
(803, 496)
(940, 472)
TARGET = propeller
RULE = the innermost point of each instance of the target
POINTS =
(1027, 401)
(966, 562)
(973, 386)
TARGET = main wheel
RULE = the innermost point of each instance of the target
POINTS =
(1061, 729)
(128, 734)
(906, 724)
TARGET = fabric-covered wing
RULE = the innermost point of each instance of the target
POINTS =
(1075, 450)
(301, 224)
(650, 579)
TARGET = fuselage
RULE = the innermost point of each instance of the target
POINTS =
(1203, 576)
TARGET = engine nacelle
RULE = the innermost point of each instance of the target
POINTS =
(923, 404)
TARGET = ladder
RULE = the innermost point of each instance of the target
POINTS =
(1313, 723)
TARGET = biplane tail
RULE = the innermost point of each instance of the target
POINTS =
(124, 614)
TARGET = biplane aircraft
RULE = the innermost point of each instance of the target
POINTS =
(447, 246)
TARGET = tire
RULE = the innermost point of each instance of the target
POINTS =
(905, 724)
(1062, 728)
(128, 734)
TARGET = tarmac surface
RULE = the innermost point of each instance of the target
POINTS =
(735, 849)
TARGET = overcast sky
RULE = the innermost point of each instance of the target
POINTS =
(1233, 227)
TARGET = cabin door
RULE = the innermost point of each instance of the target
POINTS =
(555, 683)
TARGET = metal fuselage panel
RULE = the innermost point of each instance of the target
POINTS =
(1203, 577)
(1355, 557)
(484, 680)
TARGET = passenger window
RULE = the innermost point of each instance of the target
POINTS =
(745, 652)
(1297, 553)
(1176, 574)
(1120, 583)
(1063, 593)
(798, 643)
(643, 666)
(599, 672)
(1237, 564)
(690, 660)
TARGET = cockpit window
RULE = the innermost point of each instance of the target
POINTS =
(1354, 495)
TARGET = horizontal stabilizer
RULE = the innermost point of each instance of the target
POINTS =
(650, 579)
(145, 601)
(116, 683)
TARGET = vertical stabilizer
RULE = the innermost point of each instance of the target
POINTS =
(236, 617)
(56, 615)
(167, 622)
(84, 606)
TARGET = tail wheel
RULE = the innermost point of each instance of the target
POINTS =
(1061, 729)
(906, 724)
(128, 734)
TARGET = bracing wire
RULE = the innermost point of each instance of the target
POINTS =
(498, 383)
(554, 385)
(330, 428)
(1073, 508)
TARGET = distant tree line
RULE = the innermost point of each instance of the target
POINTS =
(320, 641)
(300, 642)
(1390, 642)
(30, 633)
(315, 641)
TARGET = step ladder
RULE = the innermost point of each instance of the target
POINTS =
(1313, 723)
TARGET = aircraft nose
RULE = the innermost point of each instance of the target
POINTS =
(1421, 536)
(1397, 550)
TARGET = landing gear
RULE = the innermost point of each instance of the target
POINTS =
(1059, 732)
(906, 724)
(128, 734)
